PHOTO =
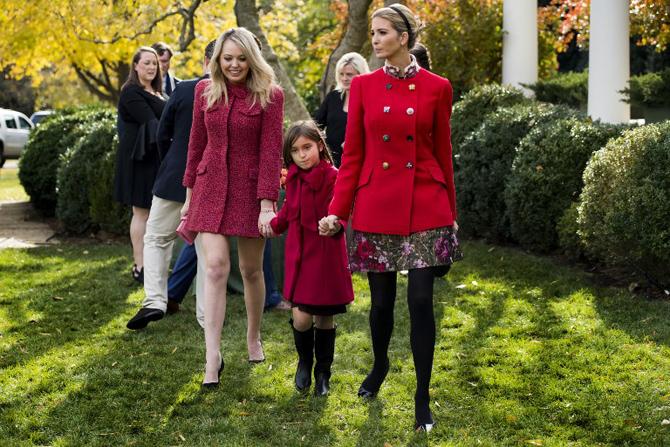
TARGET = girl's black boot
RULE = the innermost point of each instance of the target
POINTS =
(324, 352)
(304, 345)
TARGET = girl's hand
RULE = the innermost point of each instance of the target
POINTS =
(455, 227)
(329, 225)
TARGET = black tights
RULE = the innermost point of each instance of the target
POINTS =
(422, 332)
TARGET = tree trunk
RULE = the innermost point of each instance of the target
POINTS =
(247, 16)
(352, 40)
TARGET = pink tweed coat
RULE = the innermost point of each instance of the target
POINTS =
(234, 161)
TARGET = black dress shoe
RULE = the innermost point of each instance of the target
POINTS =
(212, 385)
(143, 317)
(172, 307)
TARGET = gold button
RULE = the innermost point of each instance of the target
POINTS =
(385, 165)
(412, 87)
(410, 111)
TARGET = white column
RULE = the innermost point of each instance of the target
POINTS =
(609, 60)
(520, 43)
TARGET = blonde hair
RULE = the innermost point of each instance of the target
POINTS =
(260, 79)
(356, 61)
(397, 14)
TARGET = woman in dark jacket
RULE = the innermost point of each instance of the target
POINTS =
(141, 104)
(332, 114)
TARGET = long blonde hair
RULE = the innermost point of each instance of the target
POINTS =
(260, 79)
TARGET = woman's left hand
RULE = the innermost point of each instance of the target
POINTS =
(266, 215)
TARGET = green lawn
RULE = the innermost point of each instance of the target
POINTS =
(10, 188)
(529, 353)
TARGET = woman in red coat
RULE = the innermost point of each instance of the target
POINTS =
(232, 180)
(317, 280)
(397, 176)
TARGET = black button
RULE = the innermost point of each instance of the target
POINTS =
(386, 138)
(410, 138)
(389, 86)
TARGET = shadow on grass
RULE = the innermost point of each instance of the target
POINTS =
(57, 303)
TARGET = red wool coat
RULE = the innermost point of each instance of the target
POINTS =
(234, 160)
(316, 267)
(396, 169)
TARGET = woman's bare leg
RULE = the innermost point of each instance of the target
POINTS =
(217, 264)
(250, 252)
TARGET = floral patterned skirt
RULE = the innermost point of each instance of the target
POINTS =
(374, 252)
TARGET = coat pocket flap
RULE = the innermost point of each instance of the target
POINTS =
(201, 169)
(437, 175)
(364, 179)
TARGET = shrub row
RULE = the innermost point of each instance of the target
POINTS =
(67, 169)
(546, 177)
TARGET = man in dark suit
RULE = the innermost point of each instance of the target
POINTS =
(168, 198)
(164, 56)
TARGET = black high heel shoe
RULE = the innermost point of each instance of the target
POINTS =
(138, 274)
(369, 390)
(212, 385)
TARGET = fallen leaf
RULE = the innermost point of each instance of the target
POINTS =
(534, 442)
(461, 286)
(665, 422)
(491, 249)
(474, 283)
(244, 413)
(85, 252)
(182, 438)
(115, 363)
(57, 298)
(632, 287)
(174, 350)
(437, 404)
(270, 367)
(510, 418)
(386, 444)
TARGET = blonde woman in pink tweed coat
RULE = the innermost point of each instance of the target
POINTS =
(232, 181)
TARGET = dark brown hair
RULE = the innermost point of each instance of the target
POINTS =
(309, 130)
(161, 48)
(133, 78)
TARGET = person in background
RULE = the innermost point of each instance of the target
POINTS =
(168, 198)
(332, 114)
(140, 107)
(397, 169)
(421, 54)
(164, 57)
(232, 181)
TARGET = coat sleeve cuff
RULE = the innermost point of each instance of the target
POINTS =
(268, 195)
(189, 181)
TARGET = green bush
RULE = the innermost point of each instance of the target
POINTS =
(568, 237)
(651, 89)
(571, 89)
(470, 111)
(80, 169)
(486, 161)
(546, 177)
(105, 212)
(624, 215)
(38, 165)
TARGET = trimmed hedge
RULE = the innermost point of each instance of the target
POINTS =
(570, 89)
(546, 177)
(38, 165)
(106, 213)
(469, 112)
(81, 168)
(651, 89)
(624, 215)
(486, 161)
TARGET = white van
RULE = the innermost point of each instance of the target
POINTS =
(14, 130)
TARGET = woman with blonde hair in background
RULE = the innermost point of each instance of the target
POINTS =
(232, 181)
(332, 114)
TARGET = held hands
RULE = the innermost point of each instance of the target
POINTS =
(329, 225)
(266, 215)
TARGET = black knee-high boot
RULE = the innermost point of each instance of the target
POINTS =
(304, 345)
(382, 295)
(422, 340)
(324, 352)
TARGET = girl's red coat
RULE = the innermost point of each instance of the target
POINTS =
(316, 267)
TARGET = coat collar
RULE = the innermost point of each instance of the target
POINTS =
(313, 177)
(238, 91)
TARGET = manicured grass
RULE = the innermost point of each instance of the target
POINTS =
(529, 353)
(10, 187)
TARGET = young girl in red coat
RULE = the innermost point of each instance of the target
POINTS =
(317, 280)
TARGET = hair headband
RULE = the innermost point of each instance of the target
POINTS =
(404, 19)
